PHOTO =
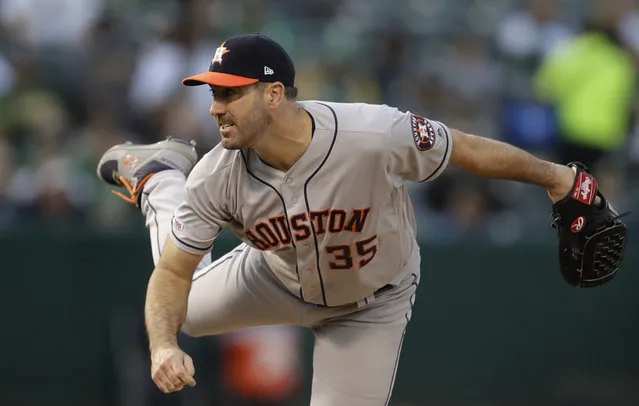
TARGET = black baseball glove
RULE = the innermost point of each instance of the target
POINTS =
(592, 238)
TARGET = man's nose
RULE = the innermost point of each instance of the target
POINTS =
(218, 109)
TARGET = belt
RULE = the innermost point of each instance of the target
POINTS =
(371, 299)
(367, 300)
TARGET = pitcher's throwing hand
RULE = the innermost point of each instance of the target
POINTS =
(171, 369)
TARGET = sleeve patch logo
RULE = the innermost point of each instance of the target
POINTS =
(423, 133)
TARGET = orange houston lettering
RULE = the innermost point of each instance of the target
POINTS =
(276, 232)
(358, 218)
(319, 220)
(267, 234)
(255, 240)
(299, 223)
(281, 229)
(336, 221)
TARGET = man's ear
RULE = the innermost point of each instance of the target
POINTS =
(275, 94)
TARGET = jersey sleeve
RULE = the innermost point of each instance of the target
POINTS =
(419, 148)
(200, 217)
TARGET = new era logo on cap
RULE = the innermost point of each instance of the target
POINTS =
(246, 59)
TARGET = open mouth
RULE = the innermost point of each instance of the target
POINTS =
(226, 127)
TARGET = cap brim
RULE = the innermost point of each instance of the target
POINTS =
(218, 79)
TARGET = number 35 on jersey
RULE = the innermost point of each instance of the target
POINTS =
(280, 231)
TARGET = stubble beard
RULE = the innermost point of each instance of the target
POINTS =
(252, 130)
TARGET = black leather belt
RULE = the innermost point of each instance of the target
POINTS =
(379, 291)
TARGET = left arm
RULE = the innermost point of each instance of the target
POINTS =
(495, 159)
(419, 150)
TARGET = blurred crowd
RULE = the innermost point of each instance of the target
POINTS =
(77, 76)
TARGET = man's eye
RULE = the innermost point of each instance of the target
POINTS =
(225, 93)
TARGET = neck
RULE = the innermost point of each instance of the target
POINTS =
(286, 140)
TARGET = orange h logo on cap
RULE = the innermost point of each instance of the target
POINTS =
(218, 54)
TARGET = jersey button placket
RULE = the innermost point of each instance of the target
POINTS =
(289, 183)
(308, 278)
(290, 193)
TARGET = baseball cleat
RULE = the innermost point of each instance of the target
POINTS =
(131, 165)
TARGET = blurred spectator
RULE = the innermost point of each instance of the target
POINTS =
(156, 89)
(102, 73)
(591, 83)
(393, 48)
(61, 23)
(472, 86)
(531, 33)
(87, 144)
(524, 37)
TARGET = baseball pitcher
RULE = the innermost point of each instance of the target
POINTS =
(316, 193)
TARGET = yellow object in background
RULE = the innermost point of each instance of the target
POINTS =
(591, 83)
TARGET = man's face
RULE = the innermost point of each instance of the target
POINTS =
(241, 114)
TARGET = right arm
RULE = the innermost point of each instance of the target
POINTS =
(165, 310)
(196, 223)
(167, 295)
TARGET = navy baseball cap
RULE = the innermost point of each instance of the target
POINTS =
(246, 59)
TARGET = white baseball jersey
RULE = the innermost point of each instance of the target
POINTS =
(339, 224)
